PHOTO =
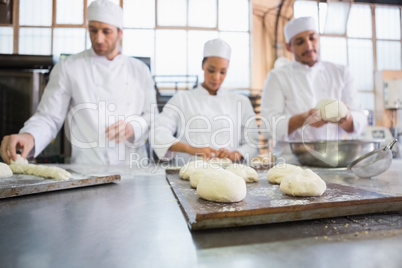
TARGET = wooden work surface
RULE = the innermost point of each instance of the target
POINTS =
(20, 184)
(265, 203)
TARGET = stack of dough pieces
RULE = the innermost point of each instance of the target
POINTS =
(332, 110)
(214, 183)
(296, 181)
(21, 166)
(248, 174)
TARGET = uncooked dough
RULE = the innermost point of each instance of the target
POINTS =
(332, 110)
(247, 173)
(305, 183)
(196, 175)
(188, 169)
(19, 160)
(41, 171)
(222, 162)
(278, 172)
(221, 186)
(5, 171)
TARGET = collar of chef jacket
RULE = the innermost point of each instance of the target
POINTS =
(203, 91)
(102, 60)
(304, 67)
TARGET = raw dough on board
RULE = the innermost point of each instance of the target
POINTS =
(248, 174)
(278, 172)
(305, 183)
(221, 186)
(5, 171)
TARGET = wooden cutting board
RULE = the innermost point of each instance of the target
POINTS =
(265, 203)
(20, 184)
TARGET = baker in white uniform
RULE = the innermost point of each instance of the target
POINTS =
(207, 121)
(106, 99)
(292, 91)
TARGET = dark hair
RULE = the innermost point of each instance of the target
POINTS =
(204, 59)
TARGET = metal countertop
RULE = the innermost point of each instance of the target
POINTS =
(137, 222)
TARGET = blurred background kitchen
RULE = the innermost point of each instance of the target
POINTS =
(169, 35)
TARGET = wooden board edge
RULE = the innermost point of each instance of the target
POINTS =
(58, 186)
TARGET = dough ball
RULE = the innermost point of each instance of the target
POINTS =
(19, 160)
(305, 183)
(263, 160)
(332, 110)
(221, 186)
(278, 172)
(247, 173)
(5, 171)
(222, 162)
(196, 175)
(187, 169)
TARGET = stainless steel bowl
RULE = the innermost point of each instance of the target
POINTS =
(331, 154)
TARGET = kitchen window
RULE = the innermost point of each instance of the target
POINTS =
(364, 48)
(170, 32)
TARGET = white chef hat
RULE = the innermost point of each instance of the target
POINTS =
(217, 48)
(299, 25)
(106, 12)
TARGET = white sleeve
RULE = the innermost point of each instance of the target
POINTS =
(165, 126)
(350, 97)
(51, 112)
(141, 127)
(274, 123)
(250, 139)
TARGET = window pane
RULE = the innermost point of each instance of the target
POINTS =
(359, 23)
(361, 63)
(196, 41)
(306, 8)
(388, 55)
(70, 12)
(6, 40)
(234, 15)
(139, 43)
(333, 49)
(323, 15)
(35, 41)
(68, 40)
(172, 12)
(202, 13)
(171, 51)
(239, 70)
(36, 13)
(367, 100)
(388, 24)
(139, 13)
(117, 2)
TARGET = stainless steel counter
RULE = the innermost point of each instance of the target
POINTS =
(138, 223)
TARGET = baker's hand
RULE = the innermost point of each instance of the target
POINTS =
(10, 144)
(235, 156)
(347, 122)
(206, 152)
(222, 153)
(313, 118)
(120, 132)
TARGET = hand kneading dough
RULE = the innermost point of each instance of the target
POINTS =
(5, 171)
(188, 169)
(19, 160)
(196, 175)
(332, 110)
(221, 186)
(278, 172)
(305, 183)
(247, 173)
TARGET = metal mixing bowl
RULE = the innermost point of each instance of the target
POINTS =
(331, 154)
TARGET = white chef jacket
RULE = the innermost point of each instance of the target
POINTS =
(296, 88)
(94, 93)
(226, 120)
